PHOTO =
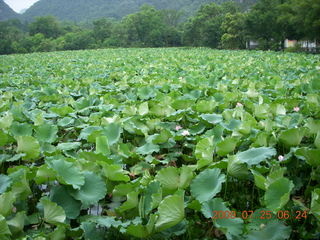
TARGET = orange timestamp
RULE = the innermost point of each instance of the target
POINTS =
(262, 214)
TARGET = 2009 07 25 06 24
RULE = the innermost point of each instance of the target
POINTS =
(263, 214)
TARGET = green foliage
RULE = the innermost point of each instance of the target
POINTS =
(207, 184)
(53, 213)
(152, 143)
(48, 26)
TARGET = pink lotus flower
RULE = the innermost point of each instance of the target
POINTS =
(178, 127)
(296, 109)
(239, 104)
(185, 133)
(280, 158)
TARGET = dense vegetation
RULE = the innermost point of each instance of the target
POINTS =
(83, 11)
(216, 26)
(153, 143)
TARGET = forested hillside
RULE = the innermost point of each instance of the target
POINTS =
(83, 10)
(6, 12)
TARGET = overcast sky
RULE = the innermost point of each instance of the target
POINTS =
(19, 5)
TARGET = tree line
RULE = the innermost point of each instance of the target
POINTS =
(227, 26)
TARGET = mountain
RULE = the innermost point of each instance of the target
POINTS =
(87, 10)
(6, 12)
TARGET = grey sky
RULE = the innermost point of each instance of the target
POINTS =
(19, 5)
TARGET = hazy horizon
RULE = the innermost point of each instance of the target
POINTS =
(19, 5)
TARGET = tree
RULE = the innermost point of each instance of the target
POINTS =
(102, 29)
(264, 24)
(79, 40)
(234, 31)
(10, 32)
(304, 16)
(48, 26)
(204, 29)
(145, 28)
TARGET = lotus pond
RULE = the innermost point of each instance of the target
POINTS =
(160, 144)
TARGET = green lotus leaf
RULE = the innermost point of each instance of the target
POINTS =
(93, 190)
(102, 145)
(53, 213)
(16, 224)
(259, 179)
(311, 156)
(163, 137)
(255, 156)
(138, 231)
(62, 110)
(4, 229)
(136, 127)
(3, 138)
(230, 227)
(68, 146)
(46, 133)
(182, 103)
(272, 231)
(93, 136)
(315, 203)
(236, 168)
(58, 234)
(212, 118)
(107, 221)
(132, 202)
(6, 203)
(28, 145)
(68, 173)
(114, 172)
(65, 122)
(315, 84)
(275, 174)
(169, 178)
(186, 175)
(197, 129)
(86, 132)
(204, 106)
(95, 157)
(292, 137)
(16, 157)
(123, 189)
(20, 182)
(61, 196)
(45, 174)
(5, 182)
(278, 194)
(278, 109)
(171, 211)
(262, 111)
(161, 110)
(204, 152)
(226, 146)
(143, 108)
(21, 129)
(317, 140)
(113, 132)
(6, 121)
(151, 198)
(145, 93)
(232, 125)
(172, 178)
(91, 231)
(207, 184)
(148, 148)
